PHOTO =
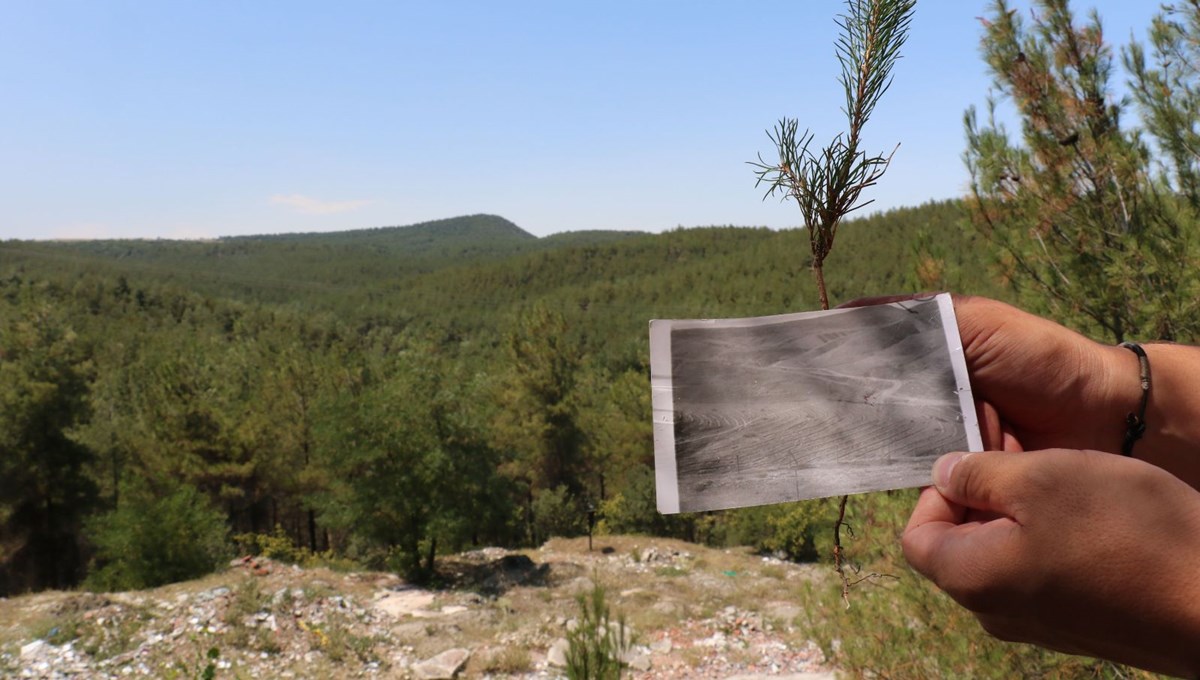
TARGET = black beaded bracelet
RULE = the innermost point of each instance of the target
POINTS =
(1135, 423)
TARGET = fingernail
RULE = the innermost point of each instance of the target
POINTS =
(944, 466)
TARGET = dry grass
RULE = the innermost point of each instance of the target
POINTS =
(510, 660)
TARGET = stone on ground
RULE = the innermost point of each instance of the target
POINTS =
(444, 666)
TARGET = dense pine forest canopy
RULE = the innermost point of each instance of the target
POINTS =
(382, 394)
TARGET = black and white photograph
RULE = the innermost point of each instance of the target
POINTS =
(791, 407)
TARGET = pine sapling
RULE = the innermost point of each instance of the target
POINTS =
(827, 184)
(597, 644)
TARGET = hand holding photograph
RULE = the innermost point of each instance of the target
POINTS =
(784, 408)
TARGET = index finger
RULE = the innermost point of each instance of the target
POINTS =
(953, 551)
(932, 517)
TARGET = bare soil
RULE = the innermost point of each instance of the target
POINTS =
(692, 612)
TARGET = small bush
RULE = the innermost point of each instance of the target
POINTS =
(149, 541)
(276, 545)
(341, 644)
(279, 546)
(633, 509)
(794, 529)
(248, 599)
(58, 631)
(204, 667)
(743, 526)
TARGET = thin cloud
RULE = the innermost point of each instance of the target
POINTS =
(313, 206)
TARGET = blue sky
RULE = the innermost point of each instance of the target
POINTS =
(191, 120)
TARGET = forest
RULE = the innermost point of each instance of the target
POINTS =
(381, 397)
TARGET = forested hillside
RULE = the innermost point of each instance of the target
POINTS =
(382, 394)
(318, 268)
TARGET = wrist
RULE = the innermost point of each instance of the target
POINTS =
(1119, 388)
(1172, 435)
(1135, 417)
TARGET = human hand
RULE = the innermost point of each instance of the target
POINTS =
(1042, 385)
(1038, 384)
(1087, 553)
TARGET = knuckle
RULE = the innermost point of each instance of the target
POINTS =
(966, 478)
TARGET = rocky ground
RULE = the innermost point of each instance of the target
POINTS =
(690, 611)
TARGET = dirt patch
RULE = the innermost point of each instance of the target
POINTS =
(692, 611)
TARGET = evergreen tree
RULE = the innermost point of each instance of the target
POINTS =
(406, 471)
(45, 490)
(294, 385)
(536, 422)
(154, 539)
(616, 427)
(1167, 92)
(1087, 230)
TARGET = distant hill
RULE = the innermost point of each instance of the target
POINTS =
(454, 238)
(470, 231)
(281, 267)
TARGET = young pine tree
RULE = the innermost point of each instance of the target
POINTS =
(1087, 229)
(45, 490)
(827, 184)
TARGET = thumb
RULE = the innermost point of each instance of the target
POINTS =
(980, 481)
(967, 558)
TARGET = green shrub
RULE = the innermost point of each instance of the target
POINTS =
(794, 527)
(276, 545)
(633, 509)
(203, 667)
(279, 546)
(798, 531)
(149, 541)
(556, 512)
(405, 562)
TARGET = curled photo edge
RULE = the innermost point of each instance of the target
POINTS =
(962, 380)
(666, 480)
